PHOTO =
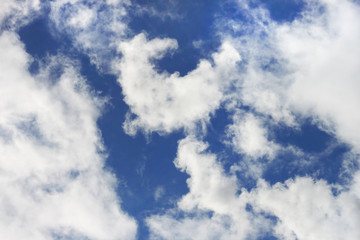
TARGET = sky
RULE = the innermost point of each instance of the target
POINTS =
(180, 120)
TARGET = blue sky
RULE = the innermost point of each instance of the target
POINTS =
(168, 119)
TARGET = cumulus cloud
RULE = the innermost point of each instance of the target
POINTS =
(298, 70)
(166, 102)
(307, 209)
(307, 67)
(248, 136)
(52, 179)
(291, 71)
(325, 57)
(212, 208)
(209, 186)
(217, 207)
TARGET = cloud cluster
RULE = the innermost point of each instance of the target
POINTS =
(210, 190)
(217, 207)
(166, 102)
(295, 70)
(248, 136)
(307, 209)
(307, 67)
(53, 183)
(325, 56)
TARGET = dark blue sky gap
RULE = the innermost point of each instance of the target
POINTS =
(194, 23)
(283, 10)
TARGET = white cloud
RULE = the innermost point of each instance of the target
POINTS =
(210, 188)
(212, 209)
(199, 227)
(215, 208)
(82, 18)
(306, 68)
(166, 102)
(250, 137)
(308, 210)
(52, 179)
(325, 57)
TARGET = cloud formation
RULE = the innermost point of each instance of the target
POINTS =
(307, 209)
(306, 67)
(264, 74)
(304, 208)
(53, 181)
(166, 102)
(210, 190)
(293, 70)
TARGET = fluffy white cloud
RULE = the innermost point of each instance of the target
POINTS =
(306, 68)
(52, 180)
(166, 102)
(216, 207)
(209, 186)
(307, 209)
(212, 209)
(295, 70)
(325, 57)
(292, 70)
(248, 136)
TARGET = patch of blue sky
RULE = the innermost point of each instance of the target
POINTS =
(282, 10)
(308, 137)
(189, 22)
(39, 42)
(322, 158)
(326, 166)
